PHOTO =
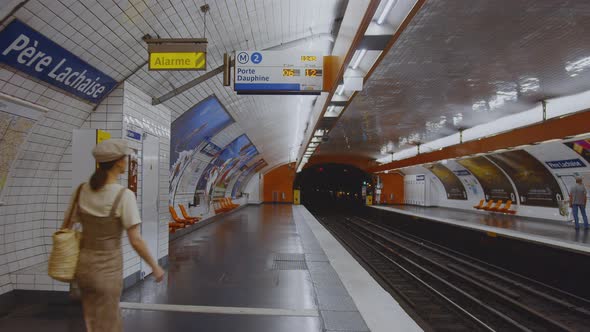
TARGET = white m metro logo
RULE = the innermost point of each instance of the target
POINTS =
(243, 57)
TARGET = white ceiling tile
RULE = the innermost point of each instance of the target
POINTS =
(107, 34)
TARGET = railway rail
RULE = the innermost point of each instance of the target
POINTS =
(449, 290)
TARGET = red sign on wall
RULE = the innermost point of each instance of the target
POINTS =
(132, 176)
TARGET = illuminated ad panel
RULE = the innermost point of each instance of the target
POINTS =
(245, 176)
(453, 186)
(536, 186)
(196, 125)
(581, 147)
(216, 173)
(494, 183)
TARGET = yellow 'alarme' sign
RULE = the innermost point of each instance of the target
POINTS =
(178, 61)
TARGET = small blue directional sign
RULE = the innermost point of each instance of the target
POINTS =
(133, 135)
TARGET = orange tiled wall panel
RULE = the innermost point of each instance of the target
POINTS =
(392, 184)
(279, 180)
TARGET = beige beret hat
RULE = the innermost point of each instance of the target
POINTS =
(111, 149)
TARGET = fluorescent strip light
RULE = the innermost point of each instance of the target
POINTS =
(552, 140)
(359, 58)
(522, 146)
(386, 11)
(340, 90)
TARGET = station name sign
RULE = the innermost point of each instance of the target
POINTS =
(177, 54)
(569, 163)
(276, 72)
(27, 50)
(462, 172)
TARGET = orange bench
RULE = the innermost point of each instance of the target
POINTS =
(231, 204)
(487, 206)
(186, 215)
(224, 204)
(495, 207)
(173, 226)
(178, 219)
(506, 208)
(218, 207)
(480, 205)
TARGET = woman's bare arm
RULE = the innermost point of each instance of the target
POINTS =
(141, 248)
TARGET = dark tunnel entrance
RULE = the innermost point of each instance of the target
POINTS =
(332, 186)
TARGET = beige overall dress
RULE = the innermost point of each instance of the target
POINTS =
(100, 269)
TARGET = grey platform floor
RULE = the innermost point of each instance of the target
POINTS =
(554, 233)
(258, 258)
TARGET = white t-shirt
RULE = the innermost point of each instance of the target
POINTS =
(99, 203)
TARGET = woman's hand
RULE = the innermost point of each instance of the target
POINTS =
(159, 273)
(139, 245)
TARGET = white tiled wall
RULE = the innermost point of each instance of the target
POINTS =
(27, 190)
(107, 116)
(154, 120)
(39, 185)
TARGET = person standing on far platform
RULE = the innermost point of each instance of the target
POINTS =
(578, 202)
(106, 209)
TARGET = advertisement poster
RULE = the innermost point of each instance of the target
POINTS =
(581, 147)
(246, 175)
(196, 125)
(16, 122)
(216, 173)
(239, 165)
(450, 181)
(536, 186)
(494, 183)
(210, 149)
(191, 175)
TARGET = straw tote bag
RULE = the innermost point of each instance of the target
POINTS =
(66, 248)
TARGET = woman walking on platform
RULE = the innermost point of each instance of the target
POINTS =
(106, 208)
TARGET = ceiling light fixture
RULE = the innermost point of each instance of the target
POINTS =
(359, 58)
(386, 11)
(340, 90)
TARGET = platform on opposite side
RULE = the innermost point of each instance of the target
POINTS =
(547, 232)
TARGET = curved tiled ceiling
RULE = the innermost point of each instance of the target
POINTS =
(108, 35)
(464, 63)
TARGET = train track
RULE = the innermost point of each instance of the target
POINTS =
(451, 291)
